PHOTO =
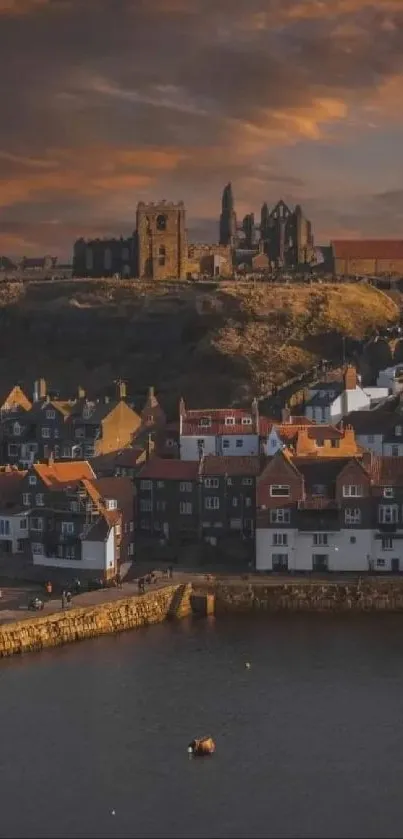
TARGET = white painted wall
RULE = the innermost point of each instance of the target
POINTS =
(389, 449)
(95, 556)
(344, 555)
(377, 393)
(227, 446)
(16, 531)
(372, 442)
(272, 443)
(351, 400)
(189, 449)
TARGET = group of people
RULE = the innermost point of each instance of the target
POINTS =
(152, 578)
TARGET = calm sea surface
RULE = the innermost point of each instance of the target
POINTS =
(309, 739)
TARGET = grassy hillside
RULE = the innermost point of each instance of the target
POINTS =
(210, 343)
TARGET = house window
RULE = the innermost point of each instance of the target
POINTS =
(388, 492)
(229, 482)
(45, 432)
(352, 491)
(161, 255)
(225, 444)
(205, 422)
(185, 508)
(380, 563)
(146, 506)
(4, 527)
(387, 543)
(74, 507)
(131, 549)
(234, 502)
(279, 516)
(66, 451)
(37, 548)
(67, 527)
(145, 524)
(320, 562)
(395, 451)
(239, 444)
(388, 514)
(247, 482)
(248, 502)
(146, 485)
(36, 524)
(40, 499)
(371, 438)
(353, 540)
(280, 539)
(212, 502)
(280, 562)
(86, 412)
(229, 420)
(23, 524)
(246, 421)
(352, 515)
(131, 526)
(320, 539)
(161, 506)
(32, 480)
(160, 484)
(26, 499)
(211, 483)
(111, 504)
(17, 429)
(279, 490)
(185, 486)
(398, 430)
(50, 414)
(12, 449)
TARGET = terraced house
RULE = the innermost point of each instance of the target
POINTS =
(68, 429)
(226, 432)
(330, 514)
(76, 520)
(204, 499)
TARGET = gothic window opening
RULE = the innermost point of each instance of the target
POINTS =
(161, 222)
(161, 255)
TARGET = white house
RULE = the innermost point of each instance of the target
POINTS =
(392, 378)
(226, 432)
(330, 401)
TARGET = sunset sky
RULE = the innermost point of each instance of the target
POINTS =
(108, 102)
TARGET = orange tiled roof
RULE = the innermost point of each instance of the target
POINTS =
(368, 248)
(61, 472)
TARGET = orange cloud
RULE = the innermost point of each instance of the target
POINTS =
(86, 172)
(20, 7)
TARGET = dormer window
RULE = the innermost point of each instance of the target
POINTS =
(229, 420)
(32, 480)
(205, 422)
(16, 429)
(50, 413)
(398, 430)
(246, 420)
(111, 504)
(388, 492)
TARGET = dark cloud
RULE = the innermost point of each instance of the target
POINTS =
(218, 89)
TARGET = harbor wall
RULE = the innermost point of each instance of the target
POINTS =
(365, 596)
(107, 618)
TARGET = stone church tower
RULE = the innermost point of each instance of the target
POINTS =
(162, 241)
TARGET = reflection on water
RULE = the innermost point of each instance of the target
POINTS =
(309, 738)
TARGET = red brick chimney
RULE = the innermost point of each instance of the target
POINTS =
(350, 378)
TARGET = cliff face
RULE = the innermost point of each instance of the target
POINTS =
(211, 343)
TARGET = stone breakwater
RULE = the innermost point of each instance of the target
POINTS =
(88, 622)
(373, 595)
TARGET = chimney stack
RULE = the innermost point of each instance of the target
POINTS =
(42, 388)
(122, 391)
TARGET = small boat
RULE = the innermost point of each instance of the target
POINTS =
(203, 746)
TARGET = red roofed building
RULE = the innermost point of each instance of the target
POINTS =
(218, 431)
(367, 257)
